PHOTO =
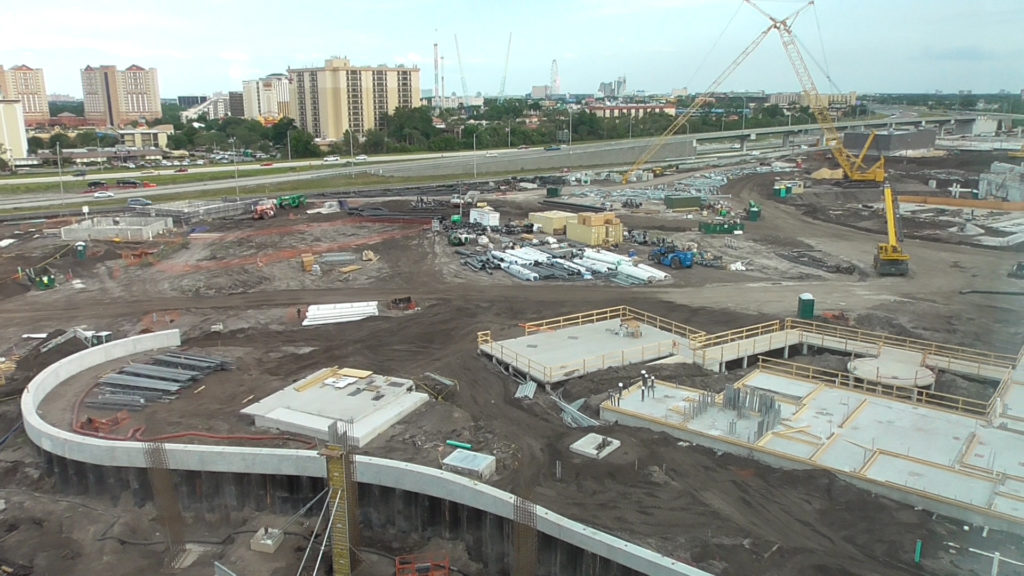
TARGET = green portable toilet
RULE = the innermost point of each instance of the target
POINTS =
(805, 306)
(456, 218)
(753, 212)
(554, 191)
(80, 250)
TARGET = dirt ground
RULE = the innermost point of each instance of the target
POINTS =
(725, 514)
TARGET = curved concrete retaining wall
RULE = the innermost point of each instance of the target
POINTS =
(277, 461)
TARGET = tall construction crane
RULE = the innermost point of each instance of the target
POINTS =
(699, 101)
(504, 76)
(462, 75)
(853, 166)
(890, 259)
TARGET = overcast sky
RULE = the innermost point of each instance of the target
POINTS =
(212, 45)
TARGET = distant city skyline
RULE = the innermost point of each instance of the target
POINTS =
(658, 45)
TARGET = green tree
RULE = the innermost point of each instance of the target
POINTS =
(60, 138)
(177, 141)
(85, 138)
(304, 145)
(35, 144)
(373, 142)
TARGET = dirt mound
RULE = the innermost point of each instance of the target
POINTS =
(33, 362)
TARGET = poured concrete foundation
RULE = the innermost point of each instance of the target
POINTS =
(594, 446)
(892, 367)
(124, 228)
(365, 403)
(556, 355)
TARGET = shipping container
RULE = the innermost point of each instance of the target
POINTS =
(683, 202)
(485, 216)
(552, 221)
(589, 235)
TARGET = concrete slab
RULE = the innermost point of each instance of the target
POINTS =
(570, 352)
(888, 443)
(894, 367)
(469, 463)
(310, 406)
(594, 446)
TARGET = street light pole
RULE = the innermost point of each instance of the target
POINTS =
(570, 128)
(474, 154)
(510, 133)
(60, 178)
(234, 159)
(743, 125)
(288, 137)
(630, 125)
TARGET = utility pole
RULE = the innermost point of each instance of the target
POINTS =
(474, 154)
(288, 137)
(510, 133)
(234, 159)
(60, 178)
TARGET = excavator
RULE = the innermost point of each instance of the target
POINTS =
(890, 259)
(854, 166)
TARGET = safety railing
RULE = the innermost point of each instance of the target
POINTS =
(519, 361)
(709, 340)
(616, 313)
(708, 356)
(590, 317)
(923, 346)
(905, 393)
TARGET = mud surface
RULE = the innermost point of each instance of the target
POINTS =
(725, 514)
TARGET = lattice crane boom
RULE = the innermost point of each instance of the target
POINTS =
(853, 166)
(696, 105)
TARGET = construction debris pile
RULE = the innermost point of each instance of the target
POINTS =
(135, 386)
(813, 259)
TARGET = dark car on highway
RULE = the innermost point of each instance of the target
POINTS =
(550, 148)
(96, 184)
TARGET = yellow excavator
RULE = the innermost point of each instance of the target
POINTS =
(890, 259)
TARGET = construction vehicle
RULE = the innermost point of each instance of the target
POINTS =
(264, 210)
(753, 211)
(671, 256)
(853, 165)
(890, 259)
(291, 201)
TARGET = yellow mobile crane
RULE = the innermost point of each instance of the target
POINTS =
(890, 259)
(853, 165)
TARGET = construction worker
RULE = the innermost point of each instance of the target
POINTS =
(298, 313)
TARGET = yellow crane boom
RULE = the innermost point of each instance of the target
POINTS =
(698, 102)
(890, 259)
(853, 166)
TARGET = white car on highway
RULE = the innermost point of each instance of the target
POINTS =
(362, 158)
(103, 194)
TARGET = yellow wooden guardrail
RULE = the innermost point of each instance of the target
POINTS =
(815, 375)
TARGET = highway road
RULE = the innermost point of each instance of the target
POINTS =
(457, 164)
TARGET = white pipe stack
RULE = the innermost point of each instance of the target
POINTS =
(661, 274)
(318, 314)
(608, 257)
(634, 272)
(509, 259)
(521, 273)
(595, 266)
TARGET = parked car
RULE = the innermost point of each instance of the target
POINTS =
(362, 158)
(139, 202)
(103, 194)
(181, 170)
